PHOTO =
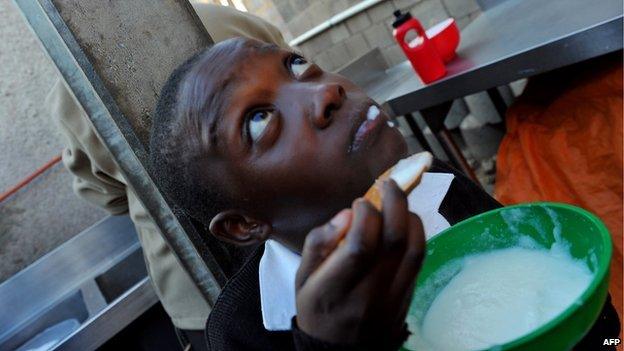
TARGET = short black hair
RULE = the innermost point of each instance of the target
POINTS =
(183, 127)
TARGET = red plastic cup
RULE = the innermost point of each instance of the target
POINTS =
(445, 38)
(420, 51)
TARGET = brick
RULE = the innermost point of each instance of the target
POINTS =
(304, 50)
(481, 107)
(456, 114)
(317, 44)
(300, 24)
(337, 55)
(358, 23)
(463, 22)
(356, 47)
(318, 12)
(338, 33)
(299, 5)
(379, 35)
(403, 4)
(429, 12)
(460, 8)
(337, 6)
(323, 61)
(393, 54)
(381, 11)
(517, 87)
(388, 21)
(466, 20)
(285, 9)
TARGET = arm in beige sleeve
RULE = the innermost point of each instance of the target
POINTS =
(97, 178)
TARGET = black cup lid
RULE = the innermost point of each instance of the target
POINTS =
(400, 18)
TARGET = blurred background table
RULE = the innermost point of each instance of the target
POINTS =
(511, 40)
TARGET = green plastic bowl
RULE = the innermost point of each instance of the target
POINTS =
(502, 228)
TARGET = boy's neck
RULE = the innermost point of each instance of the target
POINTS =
(291, 229)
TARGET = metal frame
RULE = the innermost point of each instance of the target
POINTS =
(434, 118)
(121, 140)
(67, 284)
(114, 318)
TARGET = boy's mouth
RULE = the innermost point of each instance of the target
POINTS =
(367, 130)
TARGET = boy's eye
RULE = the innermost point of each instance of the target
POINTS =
(298, 66)
(257, 121)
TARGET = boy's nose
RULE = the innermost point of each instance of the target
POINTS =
(327, 99)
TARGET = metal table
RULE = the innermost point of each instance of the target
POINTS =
(96, 281)
(513, 40)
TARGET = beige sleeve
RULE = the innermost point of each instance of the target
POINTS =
(179, 296)
(97, 178)
(225, 22)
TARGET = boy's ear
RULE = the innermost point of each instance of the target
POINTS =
(236, 227)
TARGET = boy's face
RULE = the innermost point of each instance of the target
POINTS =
(295, 144)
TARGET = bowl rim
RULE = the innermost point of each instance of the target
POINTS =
(601, 271)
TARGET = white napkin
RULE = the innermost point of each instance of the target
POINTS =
(426, 199)
(278, 265)
(277, 271)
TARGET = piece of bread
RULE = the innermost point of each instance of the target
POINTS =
(406, 173)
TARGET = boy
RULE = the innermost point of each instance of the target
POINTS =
(259, 145)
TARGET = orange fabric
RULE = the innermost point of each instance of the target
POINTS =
(565, 145)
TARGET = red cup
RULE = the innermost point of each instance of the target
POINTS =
(420, 51)
(445, 38)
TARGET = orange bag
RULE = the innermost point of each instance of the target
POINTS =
(564, 144)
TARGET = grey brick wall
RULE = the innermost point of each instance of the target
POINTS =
(372, 28)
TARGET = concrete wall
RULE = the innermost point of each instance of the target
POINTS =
(372, 28)
(267, 10)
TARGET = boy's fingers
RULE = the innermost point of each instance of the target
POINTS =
(320, 243)
(405, 278)
(362, 239)
(401, 291)
(395, 218)
(351, 261)
(394, 238)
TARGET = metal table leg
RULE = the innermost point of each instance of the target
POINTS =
(497, 100)
(500, 106)
(455, 154)
(434, 118)
(411, 122)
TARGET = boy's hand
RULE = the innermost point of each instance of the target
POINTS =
(358, 290)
